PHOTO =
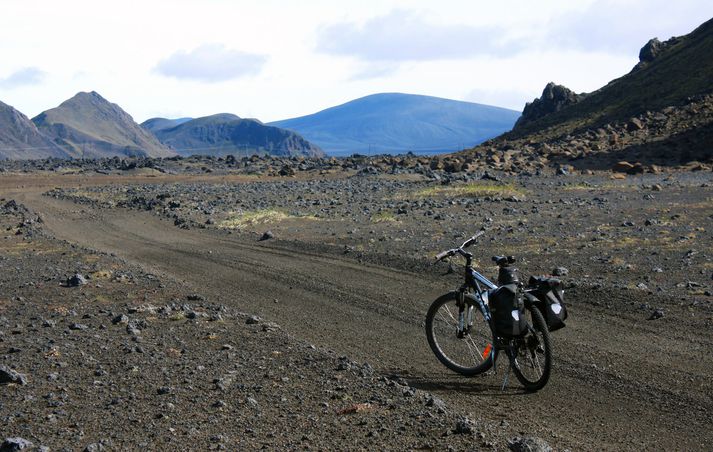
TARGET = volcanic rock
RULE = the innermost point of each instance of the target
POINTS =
(529, 444)
(554, 98)
(15, 444)
(8, 375)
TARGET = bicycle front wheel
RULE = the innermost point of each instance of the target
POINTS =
(533, 353)
(459, 336)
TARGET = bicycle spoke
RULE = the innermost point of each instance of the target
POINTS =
(449, 314)
(535, 364)
(471, 345)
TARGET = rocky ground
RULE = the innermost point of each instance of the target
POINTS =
(678, 136)
(98, 354)
(157, 347)
(603, 221)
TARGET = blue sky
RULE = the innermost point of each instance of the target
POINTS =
(278, 59)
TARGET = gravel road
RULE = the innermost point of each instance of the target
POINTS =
(620, 381)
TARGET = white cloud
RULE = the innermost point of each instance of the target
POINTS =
(22, 77)
(623, 27)
(211, 63)
(407, 36)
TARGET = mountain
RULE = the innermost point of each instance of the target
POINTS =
(20, 139)
(153, 125)
(226, 133)
(668, 73)
(89, 126)
(398, 123)
(659, 114)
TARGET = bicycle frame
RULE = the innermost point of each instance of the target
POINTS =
(480, 284)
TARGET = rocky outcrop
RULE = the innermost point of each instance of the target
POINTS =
(554, 98)
(653, 49)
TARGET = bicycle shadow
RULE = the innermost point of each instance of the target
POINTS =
(489, 384)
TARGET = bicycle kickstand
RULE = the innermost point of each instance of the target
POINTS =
(505, 380)
(511, 362)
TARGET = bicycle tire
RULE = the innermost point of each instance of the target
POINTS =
(531, 369)
(468, 355)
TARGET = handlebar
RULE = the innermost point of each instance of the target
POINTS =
(443, 255)
(472, 240)
(461, 249)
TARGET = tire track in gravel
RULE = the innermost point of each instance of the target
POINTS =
(375, 314)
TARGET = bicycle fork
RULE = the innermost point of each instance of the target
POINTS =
(465, 316)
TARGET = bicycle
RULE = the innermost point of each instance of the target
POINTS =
(467, 332)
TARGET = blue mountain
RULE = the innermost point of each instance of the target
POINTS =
(399, 123)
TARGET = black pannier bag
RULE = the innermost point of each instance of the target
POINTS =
(507, 309)
(550, 294)
(508, 275)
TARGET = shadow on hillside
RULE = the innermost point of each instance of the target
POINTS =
(695, 145)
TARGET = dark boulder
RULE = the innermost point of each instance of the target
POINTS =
(654, 48)
(15, 444)
(8, 375)
(650, 50)
(529, 444)
(267, 235)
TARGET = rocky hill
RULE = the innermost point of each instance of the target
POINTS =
(399, 123)
(668, 74)
(225, 133)
(88, 126)
(661, 113)
(20, 139)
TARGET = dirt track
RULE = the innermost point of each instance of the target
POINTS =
(619, 382)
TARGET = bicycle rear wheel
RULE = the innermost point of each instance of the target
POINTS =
(468, 350)
(533, 359)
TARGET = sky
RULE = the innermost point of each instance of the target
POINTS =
(277, 59)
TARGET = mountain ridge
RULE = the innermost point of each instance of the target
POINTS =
(226, 133)
(387, 122)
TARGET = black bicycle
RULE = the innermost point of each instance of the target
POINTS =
(468, 328)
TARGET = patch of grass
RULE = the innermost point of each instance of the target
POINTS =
(256, 217)
(102, 274)
(176, 316)
(383, 217)
(102, 299)
(589, 187)
(474, 189)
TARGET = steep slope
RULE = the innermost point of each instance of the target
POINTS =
(89, 126)
(394, 122)
(659, 114)
(20, 139)
(226, 133)
(668, 74)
